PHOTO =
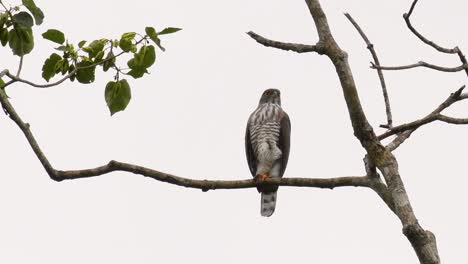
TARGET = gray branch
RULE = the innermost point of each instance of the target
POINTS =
(299, 48)
(420, 64)
(370, 46)
(431, 117)
(456, 50)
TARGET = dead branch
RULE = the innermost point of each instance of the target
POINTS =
(433, 116)
(299, 48)
(370, 47)
(420, 64)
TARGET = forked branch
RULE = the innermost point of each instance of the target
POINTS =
(435, 115)
(456, 50)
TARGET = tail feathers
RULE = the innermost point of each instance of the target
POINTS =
(268, 203)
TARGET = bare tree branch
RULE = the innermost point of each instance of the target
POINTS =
(407, 16)
(433, 116)
(299, 48)
(439, 48)
(370, 46)
(420, 64)
(205, 185)
(452, 120)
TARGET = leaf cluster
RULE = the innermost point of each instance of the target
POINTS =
(79, 62)
(16, 26)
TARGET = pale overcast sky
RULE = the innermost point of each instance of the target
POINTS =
(188, 118)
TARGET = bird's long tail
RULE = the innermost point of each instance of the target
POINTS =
(267, 203)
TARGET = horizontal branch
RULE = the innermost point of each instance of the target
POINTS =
(48, 85)
(452, 120)
(299, 48)
(420, 64)
(205, 185)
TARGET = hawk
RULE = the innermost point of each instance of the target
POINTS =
(267, 140)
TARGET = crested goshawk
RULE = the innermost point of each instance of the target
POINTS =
(267, 141)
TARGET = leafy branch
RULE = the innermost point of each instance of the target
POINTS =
(79, 62)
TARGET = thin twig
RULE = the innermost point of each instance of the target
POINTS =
(407, 16)
(70, 74)
(20, 67)
(3, 73)
(370, 46)
(420, 64)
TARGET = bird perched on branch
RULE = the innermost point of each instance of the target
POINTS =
(267, 141)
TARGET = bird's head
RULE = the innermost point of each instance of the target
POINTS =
(271, 96)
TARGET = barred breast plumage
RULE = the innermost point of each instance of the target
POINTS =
(264, 134)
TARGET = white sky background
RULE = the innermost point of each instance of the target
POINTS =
(188, 118)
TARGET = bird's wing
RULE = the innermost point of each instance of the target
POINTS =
(249, 151)
(284, 140)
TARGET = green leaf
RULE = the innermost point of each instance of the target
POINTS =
(4, 36)
(36, 11)
(85, 75)
(81, 43)
(110, 60)
(117, 95)
(65, 67)
(141, 61)
(128, 35)
(49, 68)
(58, 66)
(99, 56)
(2, 83)
(95, 47)
(169, 30)
(61, 48)
(125, 44)
(149, 56)
(21, 40)
(3, 19)
(54, 35)
(23, 19)
(151, 32)
(137, 72)
(70, 70)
